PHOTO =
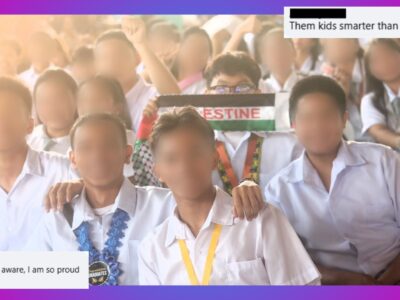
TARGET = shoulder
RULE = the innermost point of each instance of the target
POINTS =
(285, 140)
(372, 151)
(151, 195)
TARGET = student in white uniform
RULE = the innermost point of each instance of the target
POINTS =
(198, 245)
(237, 73)
(55, 105)
(104, 94)
(118, 53)
(342, 198)
(109, 208)
(278, 54)
(307, 55)
(40, 53)
(26, 175)
(194, 54)
(343, 61)
(380, 108)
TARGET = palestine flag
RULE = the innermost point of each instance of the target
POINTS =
(235, 112)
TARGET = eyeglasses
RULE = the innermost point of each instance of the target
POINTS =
(242, 88)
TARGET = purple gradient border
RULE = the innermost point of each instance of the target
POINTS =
(192, 293)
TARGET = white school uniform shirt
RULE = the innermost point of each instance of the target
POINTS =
(372, 116)
(271, 84)
(22, 208)
(265, 251)
(138, 97)
(39, 140)
(356, 224)
(197, 88)
(29, 77)
(278, 150)
(147, 207)
(307, 66)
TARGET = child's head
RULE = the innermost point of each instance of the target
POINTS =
(10, 52)
(82, 63)
(341, 51)
(55, 100)
(184, 152)
(102, 94)
(277, 53)
(163, 39)
(99, 149)
(41, 48)
(234, 72)
(318, 113)
(115, 55)
(15, 113)
(195, 50)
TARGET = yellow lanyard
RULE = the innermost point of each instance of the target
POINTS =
(209, 261)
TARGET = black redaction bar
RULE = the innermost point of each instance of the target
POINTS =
(318, 13)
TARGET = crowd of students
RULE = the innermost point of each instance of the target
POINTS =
(88, 164)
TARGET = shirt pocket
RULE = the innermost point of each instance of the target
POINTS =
(249, 272)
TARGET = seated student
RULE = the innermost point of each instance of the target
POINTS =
(25, 174)
(380, 108)
(109, 209)
(278, 55)
(237, 73)
(10, 54)
(198, 244)
(55, 105)
(40, 53)
(104, 94)
(307, 55)
(343, 61)
(82, 64)
(342, 198)
(194, 54)
(118, 53)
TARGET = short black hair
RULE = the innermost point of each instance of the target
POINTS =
(234, 63)
(58, 75)
(82, 55)
(98, 118)
(115, 34)
(16, 87)
(317, 84)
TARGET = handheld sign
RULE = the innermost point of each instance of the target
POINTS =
(231, 112)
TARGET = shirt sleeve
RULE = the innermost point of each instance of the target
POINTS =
(287, 261)
(147, 273)
(391, 168)
(370, 115)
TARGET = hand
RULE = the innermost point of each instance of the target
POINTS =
(151, 109)
(251, 25)
(333, 276)
(247, 200)
(62, 193)
(391, 275)
(135, 29)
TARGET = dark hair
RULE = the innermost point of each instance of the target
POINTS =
(317, 84)
(186, 117)
(166, 29)
(82, 54)
(113, 87)
(13, 44)
(115, 35)
(188, 33)
(374, 85)
(233, 63)
(59, 76)
(16, 87)
(97, 118)
(315, 51)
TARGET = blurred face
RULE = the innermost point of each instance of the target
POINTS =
(9, 60)
(339, 51)
(232, 84)
(194, 53)
(99, 153)
(83, 71)
(277, 54)
(384, 63)
(41, 50)
(55, 105)
(303, 44)
(114, 58)
(319, 123)
(15, 122)
(93, 99)
(184, 161)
